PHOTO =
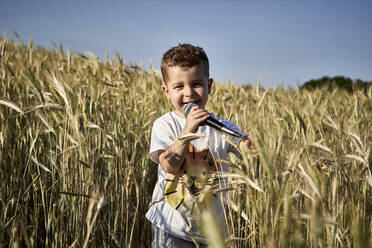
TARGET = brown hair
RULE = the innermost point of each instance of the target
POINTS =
(184, 56)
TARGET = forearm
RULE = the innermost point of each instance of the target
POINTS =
(173, 157)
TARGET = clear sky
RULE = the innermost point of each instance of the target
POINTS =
(276, 42)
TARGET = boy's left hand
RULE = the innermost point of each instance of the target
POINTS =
(246, 145)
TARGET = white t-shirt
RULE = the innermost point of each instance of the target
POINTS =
(178, 220)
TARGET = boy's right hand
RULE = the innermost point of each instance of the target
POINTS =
(194, 119)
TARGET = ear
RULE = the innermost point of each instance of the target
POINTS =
(210, 83)
(165, 90)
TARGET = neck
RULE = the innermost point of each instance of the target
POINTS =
(179, 114)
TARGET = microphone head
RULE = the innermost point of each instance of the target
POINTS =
(187, 108)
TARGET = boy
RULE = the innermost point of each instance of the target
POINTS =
(185, 167)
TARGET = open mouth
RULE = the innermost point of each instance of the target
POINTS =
(196, 102)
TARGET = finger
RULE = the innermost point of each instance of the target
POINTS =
(200, 115)
(199, 112)
(202, 119)
(205, 116)
(250, 144)
(194, 108)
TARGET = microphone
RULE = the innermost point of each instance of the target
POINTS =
(213, 122)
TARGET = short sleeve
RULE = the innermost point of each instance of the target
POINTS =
(162, 136)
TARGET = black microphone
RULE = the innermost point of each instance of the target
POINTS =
(213, 122)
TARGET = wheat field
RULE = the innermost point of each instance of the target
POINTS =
(75, 170)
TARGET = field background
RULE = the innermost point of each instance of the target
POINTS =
(75, 170)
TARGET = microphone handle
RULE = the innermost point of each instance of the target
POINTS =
(233, 133)
(221, 127)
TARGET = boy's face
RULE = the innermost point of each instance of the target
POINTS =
(186, 85)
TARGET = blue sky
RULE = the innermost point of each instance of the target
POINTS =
(275, 42)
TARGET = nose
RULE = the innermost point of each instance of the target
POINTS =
(188, 91)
